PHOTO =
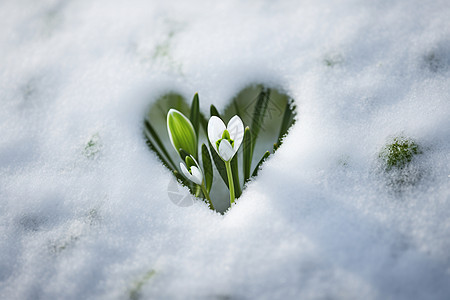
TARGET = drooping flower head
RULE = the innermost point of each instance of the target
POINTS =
(226, 139)
(192, 170)
(181, 132)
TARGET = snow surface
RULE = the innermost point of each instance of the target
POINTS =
(319, 222)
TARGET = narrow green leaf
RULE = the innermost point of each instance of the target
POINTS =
(150, 131)
(247, 153)
(235, 172)
(204, 123)
(195, 114)
(220, 165)
(207, 167)
(287, 121)
(259, 113)
(292, 119)
(166, 163)
(258, 166)
(160, 157)
(183, 154)
(214, 112)
(198, 191)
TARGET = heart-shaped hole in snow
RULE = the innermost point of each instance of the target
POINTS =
(269, 114)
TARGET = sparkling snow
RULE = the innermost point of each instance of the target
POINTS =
(85, 211)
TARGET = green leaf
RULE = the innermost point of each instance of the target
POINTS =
(204, 123)
(258, 166)
(198, 191)
(287, 121)
(235, 172)
(214, 112)
(207, 167)
(183, 154)
(167, 164)
(259, 113)
(167, 160)
(160, 157)
(195, 114)
(247, 153)
(181, 132)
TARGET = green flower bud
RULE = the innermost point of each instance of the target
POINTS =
(181, 132)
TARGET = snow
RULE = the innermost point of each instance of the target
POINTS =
(319, 221)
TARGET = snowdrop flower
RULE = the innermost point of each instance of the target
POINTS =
(192, 171)
(226, 140)
(181, 132)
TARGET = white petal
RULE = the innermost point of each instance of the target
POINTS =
(185, 171)
(236, 129)
(225, 150)
(216, 128)
(197, 175)
(195, 161)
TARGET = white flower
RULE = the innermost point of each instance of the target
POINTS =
(226, 140)
(192, 171)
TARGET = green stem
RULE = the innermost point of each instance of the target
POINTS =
(230, 181)
(197, 190)
(205, 192)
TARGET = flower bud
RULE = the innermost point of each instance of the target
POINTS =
(181, 132)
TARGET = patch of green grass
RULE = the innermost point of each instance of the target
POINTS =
(399, 153)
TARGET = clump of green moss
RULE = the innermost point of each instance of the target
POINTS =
(397, 163)
(399, 153)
